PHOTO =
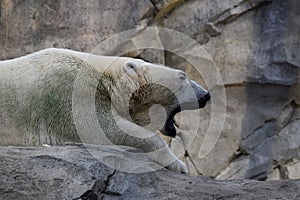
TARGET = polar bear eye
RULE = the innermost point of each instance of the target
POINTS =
(130, 68)
(182, 75)
(130, 65)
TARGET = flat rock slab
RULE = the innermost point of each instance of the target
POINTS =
(71, 172)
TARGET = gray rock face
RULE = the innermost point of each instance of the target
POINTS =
(30, 26)
(71, 172)
(254, 44)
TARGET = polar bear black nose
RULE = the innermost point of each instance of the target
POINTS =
(207, 96)
(203, 100)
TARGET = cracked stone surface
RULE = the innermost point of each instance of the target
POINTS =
(255, 45)
(71, 172)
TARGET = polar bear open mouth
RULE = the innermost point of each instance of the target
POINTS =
(169, 128)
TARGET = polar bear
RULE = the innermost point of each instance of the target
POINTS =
(58, 95)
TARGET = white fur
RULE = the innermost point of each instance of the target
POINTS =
(28, 78)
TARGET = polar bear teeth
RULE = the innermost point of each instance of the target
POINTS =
(175, 123)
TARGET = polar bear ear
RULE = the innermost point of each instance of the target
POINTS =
(130, 68)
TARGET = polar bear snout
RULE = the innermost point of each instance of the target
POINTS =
(194, 96)
(202, 95)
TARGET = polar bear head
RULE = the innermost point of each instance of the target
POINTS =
(147, 92)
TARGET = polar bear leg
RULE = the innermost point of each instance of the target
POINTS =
(152, 144)
(166, 158)
(162, 154)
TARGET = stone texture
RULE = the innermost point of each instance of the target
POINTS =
(32, 25)
(259, 72)
(254, 44)
(274, 175)
(71, 172)
(253, 166)
(296, 92)
(294, 170)
(286, 144)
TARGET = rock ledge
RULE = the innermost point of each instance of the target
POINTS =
(71, 172)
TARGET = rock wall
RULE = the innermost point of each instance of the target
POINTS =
(254, 43)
